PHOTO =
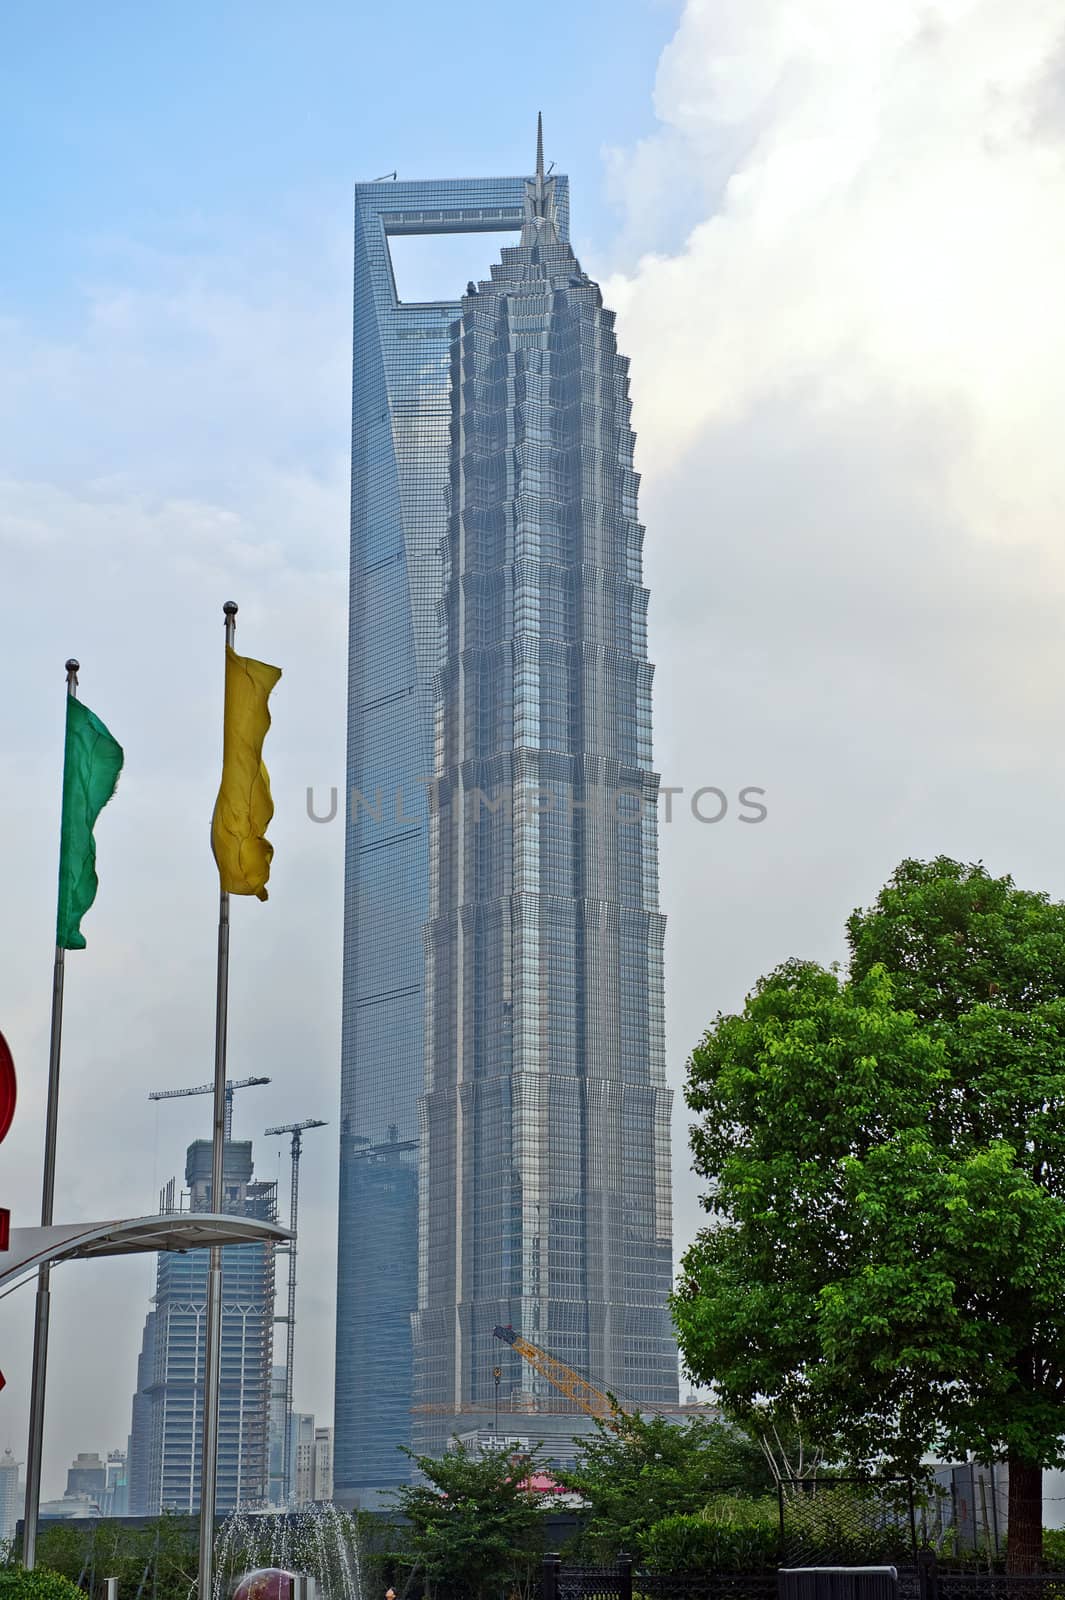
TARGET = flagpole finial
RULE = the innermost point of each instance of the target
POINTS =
(230, 608)
(73, 666)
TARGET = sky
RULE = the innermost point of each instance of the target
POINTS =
(833, 237)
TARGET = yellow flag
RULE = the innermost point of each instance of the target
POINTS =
(243, 809)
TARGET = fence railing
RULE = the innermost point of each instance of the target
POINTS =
(923, 1579)
(840, 1521)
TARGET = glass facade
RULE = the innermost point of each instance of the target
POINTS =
(400, 463)
(504, 1144)
(167, 1433)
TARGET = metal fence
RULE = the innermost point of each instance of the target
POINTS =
(923, 1579)
(705, 1585)
(964, 1511)
(837, 1521)
(586, 1583)
(625, 1582)
(991, 1583)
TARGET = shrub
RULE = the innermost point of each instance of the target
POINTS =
(1054, 1549)
(730, 1535)
(18, 1584)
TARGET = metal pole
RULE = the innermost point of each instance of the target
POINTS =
(35, 1446)
(290, 1332)
(213, 1355)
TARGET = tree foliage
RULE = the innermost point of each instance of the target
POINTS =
(651, 1468)
(474, 1527)
(163, 1551)
(731, 1534)
(885, 1154)
(18, 1584)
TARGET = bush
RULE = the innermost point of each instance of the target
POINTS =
(730, 1535)
(1054, 1549)
(164, 1552)
(18, 1584)
(647, 1469)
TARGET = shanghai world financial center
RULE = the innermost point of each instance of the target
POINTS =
(504, 1116)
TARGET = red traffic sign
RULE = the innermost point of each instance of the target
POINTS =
(7, 1088)
(7, 1111)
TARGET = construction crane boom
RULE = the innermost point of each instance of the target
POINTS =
(208, 1088)
(297, 1130)
(298, 1127)
(592, 1401)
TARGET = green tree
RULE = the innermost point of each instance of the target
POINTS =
(649, 1468)
(162, 1552)
(474, 1527)
(18, 1584)
(885, 1155)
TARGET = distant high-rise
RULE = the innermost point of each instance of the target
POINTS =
(323, 1464)
(301, 1472)
(503, 952)
(116, 1494)
(10, 1497)
(87, 1474)
(278, 1412)
(167, 1432)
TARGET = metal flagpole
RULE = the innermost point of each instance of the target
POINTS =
(44, 1275)
(213, 1355)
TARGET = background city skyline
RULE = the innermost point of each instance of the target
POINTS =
(831, 241)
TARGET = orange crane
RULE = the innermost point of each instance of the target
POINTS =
(592, 1401)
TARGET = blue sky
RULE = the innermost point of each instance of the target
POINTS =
(832, 235)
(133, 128)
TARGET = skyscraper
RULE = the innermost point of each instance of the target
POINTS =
(400, 454)
(87, 1474)
(503, 982)
(278, 1413)
(167, 1431)
(10, 1499)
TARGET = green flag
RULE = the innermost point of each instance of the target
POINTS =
(91, 765)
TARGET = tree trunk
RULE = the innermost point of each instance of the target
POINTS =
(1024, 1539)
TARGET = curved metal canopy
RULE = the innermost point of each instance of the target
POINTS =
(181, 1230)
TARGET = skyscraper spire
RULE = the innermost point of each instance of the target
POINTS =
(539, 226)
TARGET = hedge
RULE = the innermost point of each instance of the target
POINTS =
(18, 1584)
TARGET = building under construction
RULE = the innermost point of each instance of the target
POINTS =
(167, 1431)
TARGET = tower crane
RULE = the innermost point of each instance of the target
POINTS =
(297, 1130)
(592, 1401)
(208, 1088)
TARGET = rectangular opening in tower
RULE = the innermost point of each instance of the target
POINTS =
(428, 268)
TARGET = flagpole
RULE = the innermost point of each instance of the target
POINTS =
(213, 1353)
(34, 1448)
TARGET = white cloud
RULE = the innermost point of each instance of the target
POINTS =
(847, 380)
(151, 468)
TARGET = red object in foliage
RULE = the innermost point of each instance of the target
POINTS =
(540, 1483)
(269, 1583)
(7, 1087)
